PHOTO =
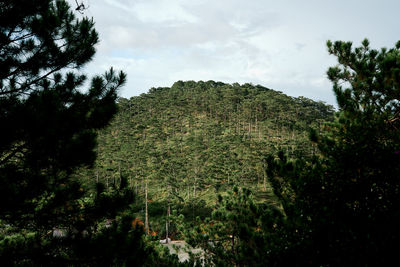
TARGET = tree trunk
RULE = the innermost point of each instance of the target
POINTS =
(119, 171)
(167, 224)
(194, 186)
(265, 182)
(146, 222)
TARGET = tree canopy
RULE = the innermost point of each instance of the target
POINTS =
(343, 208)
(322, 186)
(197, 138)
(50, 117)
(340, 207)
(49, 124)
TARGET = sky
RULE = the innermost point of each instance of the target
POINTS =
(277, 44)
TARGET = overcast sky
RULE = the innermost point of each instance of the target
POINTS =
(278, 44)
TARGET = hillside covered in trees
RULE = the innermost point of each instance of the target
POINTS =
(247, 174)
(196, 139)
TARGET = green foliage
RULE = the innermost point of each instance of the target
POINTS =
(196, 139)
(343, 209)
(49, 125)
(340, 207)
(115, 244)
(238, 233)
(49, 128)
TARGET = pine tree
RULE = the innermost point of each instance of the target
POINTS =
(235, 234)
(343, 208)
(49, 126)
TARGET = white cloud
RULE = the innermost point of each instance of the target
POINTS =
(279, 44)
(162, 11)
(119, 4)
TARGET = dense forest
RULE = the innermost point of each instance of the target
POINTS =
(249, 175)
(196, 139)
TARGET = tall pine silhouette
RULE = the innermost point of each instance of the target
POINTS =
(49, 119)
(343, 208)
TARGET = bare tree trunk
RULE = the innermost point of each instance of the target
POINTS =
(233, 242)
(119, 171)
(167, 224)
(265, 182)
(146, 222)
(194, 186)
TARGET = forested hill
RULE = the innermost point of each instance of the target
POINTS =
(194, 138)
